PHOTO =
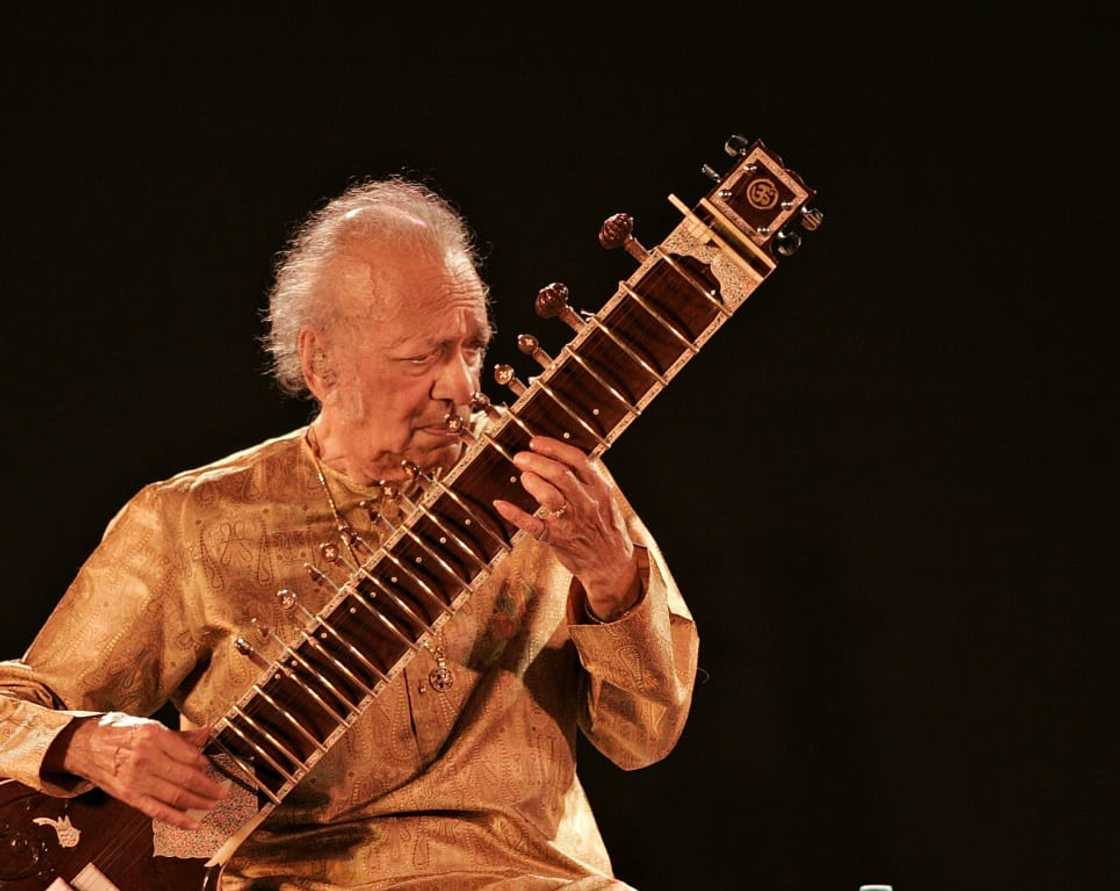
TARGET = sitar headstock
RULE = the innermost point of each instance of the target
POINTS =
(761, 197)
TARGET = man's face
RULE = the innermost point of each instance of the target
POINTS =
(407, 348)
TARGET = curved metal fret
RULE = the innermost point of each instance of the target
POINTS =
(437, 557)
(453, 495)
(520, 423)
(630, 408)
(323, 623)
(260, 691)
(497, 445)
(434, 517)
(396, 600)
(361, 598)
(642, 362)
(404, 607)
(571, 412)
(267, 734)
(412, 575)
(310, 691)
(290, 651)
(310, 638)
(671, 328)
(248, 771)
(260, 750)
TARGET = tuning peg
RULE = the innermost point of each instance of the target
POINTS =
(811, 218)
(481, 402)
(711, 173)
(456, 425)
(552, 301)
(787, 242)
(530, 346)
(288, 598)
(388, 511)
(263, 631)
(318, 577)
(243, 646)
(618, 232)
(737, 146)
(505, 375)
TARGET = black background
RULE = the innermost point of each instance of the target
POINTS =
(874, 486)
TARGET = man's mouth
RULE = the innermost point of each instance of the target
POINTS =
(437, 430)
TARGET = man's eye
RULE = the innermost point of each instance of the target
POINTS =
(420, 360)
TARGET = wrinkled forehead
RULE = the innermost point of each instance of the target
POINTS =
(410, 283)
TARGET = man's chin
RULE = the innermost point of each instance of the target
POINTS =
(443, 452)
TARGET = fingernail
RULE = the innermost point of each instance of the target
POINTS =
(520, 459)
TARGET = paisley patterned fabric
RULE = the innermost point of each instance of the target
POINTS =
(472, 787)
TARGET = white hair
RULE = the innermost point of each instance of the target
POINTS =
(367, 210)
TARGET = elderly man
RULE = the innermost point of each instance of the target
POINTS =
(462, 773)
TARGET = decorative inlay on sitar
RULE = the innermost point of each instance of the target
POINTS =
(391, 597)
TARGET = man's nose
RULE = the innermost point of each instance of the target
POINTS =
(456, 381)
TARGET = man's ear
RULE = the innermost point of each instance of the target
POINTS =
(318, 371)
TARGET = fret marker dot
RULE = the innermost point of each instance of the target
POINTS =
(467, 522)
(419, 559)
(323, 635)
(393, 579)
(353, 610)
(595, 411)
(567, 435)
(513, 479)
(442, 540)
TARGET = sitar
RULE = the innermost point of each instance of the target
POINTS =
(386, 598)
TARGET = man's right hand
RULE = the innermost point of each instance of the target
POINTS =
(158, 771)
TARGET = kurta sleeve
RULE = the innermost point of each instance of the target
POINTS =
(639, 670)
(115, 642)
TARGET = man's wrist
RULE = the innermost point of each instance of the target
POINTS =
(62, 757)
(612, 608)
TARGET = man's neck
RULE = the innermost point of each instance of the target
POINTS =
(336, 451)
(341, 452)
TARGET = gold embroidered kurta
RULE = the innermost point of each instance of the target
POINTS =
(472, 787)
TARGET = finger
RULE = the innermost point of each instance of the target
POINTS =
(511, 512)
(157, 810)
(545, 493)
(560, 475)
(184, 747)
(181, 798)
(189, 777)
(566, 454)
(197, 737)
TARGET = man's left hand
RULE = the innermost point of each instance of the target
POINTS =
(584, 524)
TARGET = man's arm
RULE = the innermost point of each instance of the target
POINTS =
(111, 644)
(635, 637)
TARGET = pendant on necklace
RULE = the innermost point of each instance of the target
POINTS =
(441, 678)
